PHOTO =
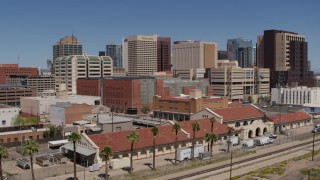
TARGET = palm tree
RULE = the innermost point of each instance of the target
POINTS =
(132, 137)
(106, 154)
(176, 128)
(155, 132)
(212, 120)
(30, 147)
(211, 138)
(74, 137)
(195, 127)
(230, 132)
(3, 155)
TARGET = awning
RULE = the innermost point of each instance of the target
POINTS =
(79, 149)
(96, 129)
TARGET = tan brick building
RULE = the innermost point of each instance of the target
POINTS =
(66, 113)
(180, 108)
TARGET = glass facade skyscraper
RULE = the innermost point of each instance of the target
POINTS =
(241, 50)
(115, 52)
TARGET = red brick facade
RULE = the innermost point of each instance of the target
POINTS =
(88, 87)
(12, 69)
(121, 94)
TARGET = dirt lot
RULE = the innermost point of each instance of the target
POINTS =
(287, 170)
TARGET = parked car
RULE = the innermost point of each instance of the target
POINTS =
(316, 130)
(271, 135)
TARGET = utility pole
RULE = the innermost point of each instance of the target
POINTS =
(112, 119)
(231, 166)
(314, 134)
(280, 84)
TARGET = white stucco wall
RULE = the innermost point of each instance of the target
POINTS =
(7, 115)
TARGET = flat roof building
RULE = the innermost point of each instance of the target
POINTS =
(69, 68)
(40, 105)
(11, 94)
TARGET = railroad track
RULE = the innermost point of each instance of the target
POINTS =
(242, 161)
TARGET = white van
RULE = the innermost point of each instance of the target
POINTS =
(317, 126)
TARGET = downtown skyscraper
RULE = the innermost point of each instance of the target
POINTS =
(286, 55)
(67, 46)
(241, 50)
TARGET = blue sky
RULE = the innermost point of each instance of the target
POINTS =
(30, 28)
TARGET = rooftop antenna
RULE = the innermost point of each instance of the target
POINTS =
(72, 38)
(18, 59)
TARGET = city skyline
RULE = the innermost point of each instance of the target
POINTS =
(29, 29)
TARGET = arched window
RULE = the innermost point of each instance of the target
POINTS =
(237, 124)
(245, 123)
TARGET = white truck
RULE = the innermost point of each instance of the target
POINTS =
(234, 140)
(261, 141)
(248, 143)
(183, 153)
(198, 148)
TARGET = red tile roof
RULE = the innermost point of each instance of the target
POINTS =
(118, 140)
(239, 113)
(290, 117)
(235, 104)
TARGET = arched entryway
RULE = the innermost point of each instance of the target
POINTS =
(265, 130)
(250, 134)
(258, 132)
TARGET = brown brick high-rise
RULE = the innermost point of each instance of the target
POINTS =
(163, 54)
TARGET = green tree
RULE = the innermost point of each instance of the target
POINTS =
(133, 137)
(74, 137)
(230, 132)
(155, 132)
(195, 128)
(211, 138)
(176, 128)
(3, 155)
(212, 120)
(250, 99)
(107, 155)
(23, 121)
(30, 147)
(53, 131)
(145, 109)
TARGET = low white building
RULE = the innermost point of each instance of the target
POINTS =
(295, 96)
(7, 115)
(40, 105)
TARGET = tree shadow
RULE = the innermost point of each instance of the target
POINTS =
(148, 164)
(171, 160)
(126, 169)
(103, 176)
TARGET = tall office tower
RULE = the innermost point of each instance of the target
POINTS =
(70, 68)
(102, 53)
(140, 55)
(115, 52)
(286, 55)
(164, 54)
(222, 55)
(254, 56)
(65, 47)
(194, 54)
(241, 50)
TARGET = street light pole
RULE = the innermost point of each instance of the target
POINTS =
(112, 119)
(231, 166)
